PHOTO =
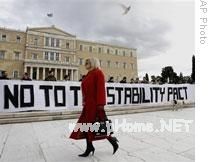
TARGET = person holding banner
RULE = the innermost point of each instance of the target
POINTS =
(94, 100)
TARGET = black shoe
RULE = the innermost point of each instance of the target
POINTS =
(88, 151)
(113, 141)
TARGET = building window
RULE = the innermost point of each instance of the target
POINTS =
(4, 37)
(17, 55)
(15, 74)
(108, 64)
(131, 53)
(52, 56)
(124, 65)
(34, 56)
(36, 41)
(100, 61)
(2, 55)
(80, 47)
(108, 51)
(57, 56)
(46, 56)
(99, 50)
(90, 49)
(18, 39)
(132, 67)
(67, 59)
(67, 45)
(47, 40)
(116, 52)
(123, 53)
(80, 61)
(117, 64)
(57, 43)
(52, 42)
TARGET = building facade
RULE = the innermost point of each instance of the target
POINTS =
(38, 50)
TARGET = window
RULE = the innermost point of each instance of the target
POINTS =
(80, 47)
(67, 45)
(46, 55)
(51, 56)
(67, 59)
(132, 67)
(15, 74)
(17, 55)
(57, 43)
(131, 53)
(99, 50)
(47, 41)
(124, 65)
(108, 51)
(123, 53)
(35, 41)
(80, 61)
(34, 56)
(100, 61)
(18, 39)
(57, 56)
(4, 37)
(108, 63)
(90, 49)
(2, 55)
(116, 52)
(117, 64)
(52, 42)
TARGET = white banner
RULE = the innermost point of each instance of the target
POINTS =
(18, 95)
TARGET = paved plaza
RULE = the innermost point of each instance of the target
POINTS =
(49, 142)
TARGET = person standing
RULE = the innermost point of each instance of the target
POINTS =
(50, 76)
(4, 76)
(93, 101)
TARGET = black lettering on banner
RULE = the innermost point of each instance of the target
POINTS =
(110, 95)
(156, 93)
(135, 94)
(60, 88)
(127, 95)
(119, 90)
(22, 96)
(144, 100)
(185, 90)
(170, 92)
(151, 95)
(179, 93)
(8, 96)
(162, 92)
(46, 89)
(75, 89)
(175, 93)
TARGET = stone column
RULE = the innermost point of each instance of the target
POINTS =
(56, 73)
(31, 72)
(72, 76)
(37, 73)
(61, 74)
(43, 73)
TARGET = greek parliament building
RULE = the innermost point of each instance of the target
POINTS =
(38, 50)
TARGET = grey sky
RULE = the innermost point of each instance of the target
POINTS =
(162, 31)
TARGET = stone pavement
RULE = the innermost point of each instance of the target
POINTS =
(49, 142)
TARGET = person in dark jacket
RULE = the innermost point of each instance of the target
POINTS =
(123, 80)
(50, 76)
(4, 76)
(111, 80)
(26, 77)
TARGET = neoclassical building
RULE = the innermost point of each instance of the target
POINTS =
(38, 50)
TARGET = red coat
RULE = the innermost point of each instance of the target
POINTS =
(93, 95)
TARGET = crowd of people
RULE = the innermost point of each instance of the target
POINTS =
(51, 77)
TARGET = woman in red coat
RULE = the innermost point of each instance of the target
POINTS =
(94, 99)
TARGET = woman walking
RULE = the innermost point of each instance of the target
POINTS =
(94, 99)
